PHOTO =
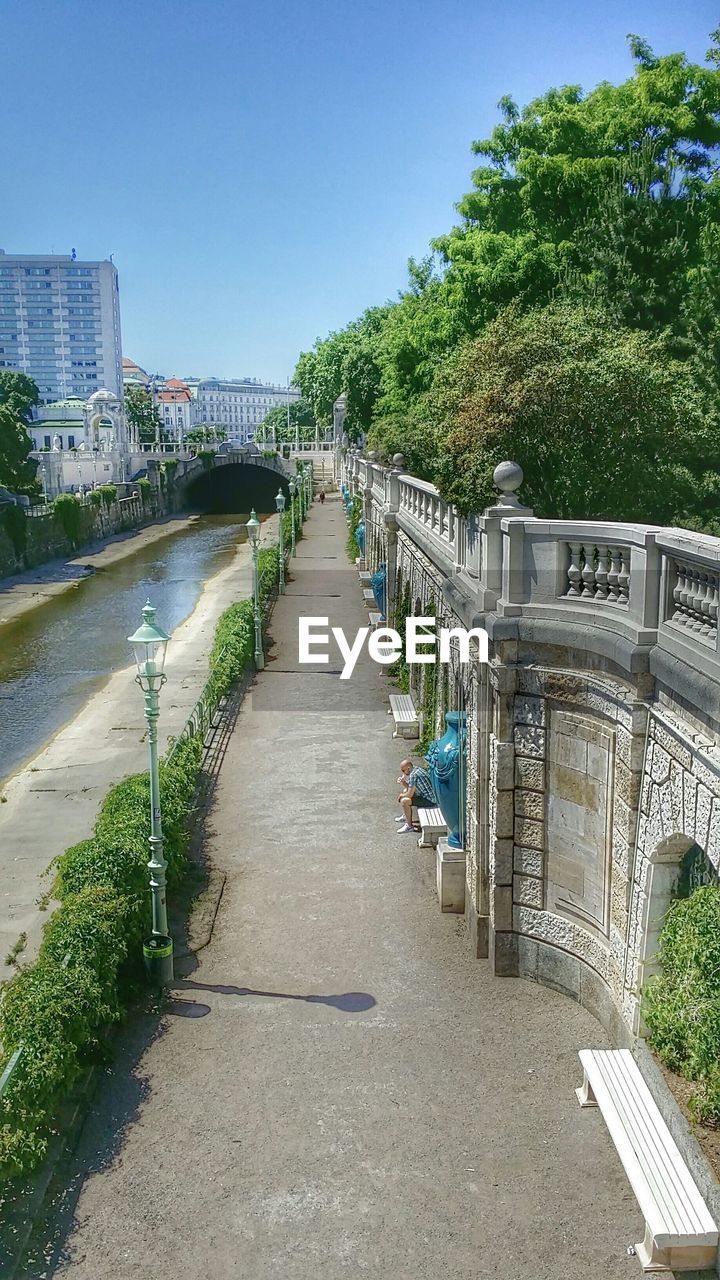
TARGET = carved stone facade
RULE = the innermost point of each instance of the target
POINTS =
(593, 730)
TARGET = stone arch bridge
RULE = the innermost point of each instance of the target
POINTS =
(230, 479)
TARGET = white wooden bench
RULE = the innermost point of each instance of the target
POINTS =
(432, 826)
(364, 575)
(369, 597)
(375, 618)
(407, 722)
(680, 1234)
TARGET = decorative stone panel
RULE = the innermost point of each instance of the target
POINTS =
(679, 806)
(579, 819)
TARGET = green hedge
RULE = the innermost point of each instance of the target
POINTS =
(59, 1008)
(354, 518)
(682, 1003)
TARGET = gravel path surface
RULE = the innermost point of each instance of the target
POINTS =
(338, 1086)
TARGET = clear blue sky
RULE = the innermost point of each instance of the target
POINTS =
(261, 170)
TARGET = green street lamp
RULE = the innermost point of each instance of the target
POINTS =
(292, 486)
(150, 643)
(253, 533)
(280, 507)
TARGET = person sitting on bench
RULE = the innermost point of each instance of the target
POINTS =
(418, 789)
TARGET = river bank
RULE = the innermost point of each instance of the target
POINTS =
(26, 591)
(52, 801)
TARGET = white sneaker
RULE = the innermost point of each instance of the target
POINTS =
(403, 830)
(399, 819)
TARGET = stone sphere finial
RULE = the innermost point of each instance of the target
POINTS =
(398, 461)
(372, 456)
(507, 477)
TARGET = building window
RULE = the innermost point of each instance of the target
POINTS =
(47, 439)
(71, 442)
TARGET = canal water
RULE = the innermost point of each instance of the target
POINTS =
(55, 657)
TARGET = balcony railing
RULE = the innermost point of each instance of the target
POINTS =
(646, 584)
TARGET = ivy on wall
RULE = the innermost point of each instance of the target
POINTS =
(68, 513)
(14, 522)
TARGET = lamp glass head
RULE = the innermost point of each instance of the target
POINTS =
(292, 485)
(150, 645)
(280, 501)
(253, 529)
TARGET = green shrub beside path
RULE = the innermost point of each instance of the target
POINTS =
(59, 1008)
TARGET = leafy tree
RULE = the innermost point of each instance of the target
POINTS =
(206, 434)
(605, 422)
(614, 178)
(282, 422)
(142, 415)
(702, 316)
(18, 394)
(345, 361)
(570, 318)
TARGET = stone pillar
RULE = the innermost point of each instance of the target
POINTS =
(502, 942)
(391, 525)
(476, 868)
(507, 477)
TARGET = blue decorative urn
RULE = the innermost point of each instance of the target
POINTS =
(447, 769)
(378, 582)
(360, 538)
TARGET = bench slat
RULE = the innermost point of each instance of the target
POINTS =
(431, 819)
(665, 1189)
(403, 706)
(667, 1175)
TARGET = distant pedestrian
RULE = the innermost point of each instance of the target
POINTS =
(322, 496)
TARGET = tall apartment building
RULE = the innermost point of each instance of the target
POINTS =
(60, 323)
(239, 404)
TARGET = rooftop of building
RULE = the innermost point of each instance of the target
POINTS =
(54, 257)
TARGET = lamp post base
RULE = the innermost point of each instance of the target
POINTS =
(158, 957)
(259, 661)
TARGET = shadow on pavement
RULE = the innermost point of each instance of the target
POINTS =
(346, 1002)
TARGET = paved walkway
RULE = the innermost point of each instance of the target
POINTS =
(340, 1088)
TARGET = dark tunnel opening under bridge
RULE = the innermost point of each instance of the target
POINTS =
(234, 489)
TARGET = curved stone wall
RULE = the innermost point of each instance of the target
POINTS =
(594, 729)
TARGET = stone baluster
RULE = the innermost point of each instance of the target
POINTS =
(696, 599)
(588, 572)
(601, 574)
(614, 575)
(624, 576)
(686, 594)
(678, 589)
(704, 604)
(712, 608)
(574, 572)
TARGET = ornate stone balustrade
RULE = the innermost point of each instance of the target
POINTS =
(647, 585)
(695, 600)
(593, 729)
(599, 572)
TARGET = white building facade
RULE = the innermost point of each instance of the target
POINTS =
(174, 403)
(60, 323)
(238, 405)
